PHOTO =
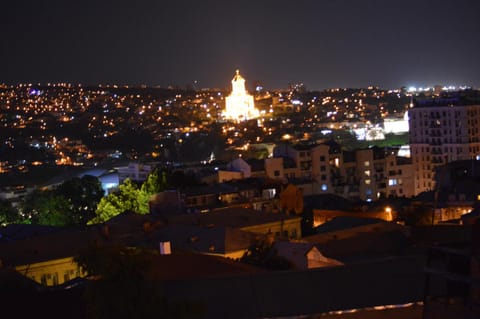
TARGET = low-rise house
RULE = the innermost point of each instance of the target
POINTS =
(449, 205)
(240, 169)
(246, 219)
(47, 259)
(205, 197)
(236, 169)
(457, 190)
(258, 193)
(215, 240)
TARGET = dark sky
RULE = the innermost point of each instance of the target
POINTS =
(323, 43)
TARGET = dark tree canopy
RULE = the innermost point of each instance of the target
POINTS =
(8, 213)
(263, 254)
(72, 203)
(83, 195)
(44, 207)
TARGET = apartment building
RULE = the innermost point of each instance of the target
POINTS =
(367, 174)
(442, 130)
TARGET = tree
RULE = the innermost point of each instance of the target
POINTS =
(106, 209)
(156, 182)
(128, 197)
(83, 195)
(72, 203)
(262, 253)
(44, 207)
(53, 210)
(8, 213)
(132, 198)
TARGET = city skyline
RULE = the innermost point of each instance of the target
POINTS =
(322, 44)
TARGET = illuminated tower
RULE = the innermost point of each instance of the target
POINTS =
(239, 104)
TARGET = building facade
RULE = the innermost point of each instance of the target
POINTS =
(442, 130)
(239, 105)
(366, 174)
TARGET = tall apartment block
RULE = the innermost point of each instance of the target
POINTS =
(442, 130)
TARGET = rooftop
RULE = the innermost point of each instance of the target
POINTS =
(459, 98)
(230, 217)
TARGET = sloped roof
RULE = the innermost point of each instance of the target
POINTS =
(231, 217)
(189, 266)
(203, 238)
(296, 253)
(222, 188)
(327, 201)
(363, 245)
(346, 222)
(22, 231)
(47, 247)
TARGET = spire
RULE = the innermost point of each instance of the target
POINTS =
(237, 76)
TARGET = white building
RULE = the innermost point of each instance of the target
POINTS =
(396, 125)
(135, 171)
(239, 105)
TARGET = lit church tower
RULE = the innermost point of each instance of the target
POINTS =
(239, 104)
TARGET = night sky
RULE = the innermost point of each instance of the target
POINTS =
(322, 43)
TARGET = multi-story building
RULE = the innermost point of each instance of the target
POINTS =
(443, 130)
(374, 173)
(135, 171)
(367, 174)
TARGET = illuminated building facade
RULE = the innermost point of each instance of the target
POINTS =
(239, 105)
(442, 131)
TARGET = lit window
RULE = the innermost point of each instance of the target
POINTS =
(367, 181)
(367, 163)
(367, 172)
(392, 182)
